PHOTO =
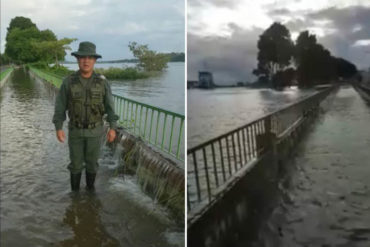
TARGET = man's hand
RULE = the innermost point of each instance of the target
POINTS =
(61, 136)
(111, 135)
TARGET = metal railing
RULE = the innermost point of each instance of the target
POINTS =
(213, 163)
(159, 127)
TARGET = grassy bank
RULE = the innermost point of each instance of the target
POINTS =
(110, 73)
(123, 73)
(5, 72)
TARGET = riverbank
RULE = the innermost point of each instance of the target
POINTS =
(4, 75)
(126, 73)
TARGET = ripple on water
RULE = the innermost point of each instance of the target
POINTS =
(37, 208)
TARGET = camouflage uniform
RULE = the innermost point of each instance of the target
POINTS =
(86, 101)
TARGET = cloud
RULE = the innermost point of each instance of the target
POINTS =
(362, 42)
(111, 24)
(218, 3)
(352, 27)
(344, 30)
(230, 59)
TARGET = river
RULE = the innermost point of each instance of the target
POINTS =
(165, 90)
(37, 207)
(214, 112)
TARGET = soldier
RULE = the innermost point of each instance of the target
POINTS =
(86, 96)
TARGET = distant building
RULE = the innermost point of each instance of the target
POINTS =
(205, 79)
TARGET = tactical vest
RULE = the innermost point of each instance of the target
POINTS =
(86, 103)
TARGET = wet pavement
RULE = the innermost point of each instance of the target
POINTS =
(325, 195)
(37, 207)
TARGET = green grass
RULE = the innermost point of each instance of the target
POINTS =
(110, 73)
(5, 72)
(122, 73)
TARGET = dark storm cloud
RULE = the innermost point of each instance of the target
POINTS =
(230, 59)
(233, 58)
(347, 26)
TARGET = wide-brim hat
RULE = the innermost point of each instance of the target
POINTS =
(86, 49)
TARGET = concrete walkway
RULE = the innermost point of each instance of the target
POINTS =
(326, 195)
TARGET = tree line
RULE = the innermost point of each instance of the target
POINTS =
(282, 62)
(25, 43)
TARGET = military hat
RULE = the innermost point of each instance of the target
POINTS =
(86, 48)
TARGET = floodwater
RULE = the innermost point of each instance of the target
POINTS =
(214, 112)
(37, 207)
(325, 196)
(165, 90)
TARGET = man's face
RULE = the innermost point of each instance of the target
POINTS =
(86, 63)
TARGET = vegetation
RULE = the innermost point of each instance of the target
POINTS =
(281, 62)
(4, 73)
(125, 73)
(176, 56)
(148, 60)
(275, 52)
(56, 69)
(25, 43)
(4, 59)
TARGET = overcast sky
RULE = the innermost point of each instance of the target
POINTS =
(110, 24)
(223, 34)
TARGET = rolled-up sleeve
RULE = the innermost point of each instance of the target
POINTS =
(61, 102)
(109, 107)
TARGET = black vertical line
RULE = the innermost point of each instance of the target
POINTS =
(228, 154)
(196, 176)
(207, 176)
(249, 142)
(240, 150)
(214, 163)
(244, 148)
(189, 205)
(222, 159)
(234, 152)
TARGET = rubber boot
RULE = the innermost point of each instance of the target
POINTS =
(75, 181)
(90, 180)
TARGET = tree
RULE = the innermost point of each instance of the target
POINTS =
(315, 64)
(4, 59)
(148, 60)
(275, 51)
(21, 23)
(18, 46)
(345, 69)
(284, 78)
(52, 51)
(25, 43)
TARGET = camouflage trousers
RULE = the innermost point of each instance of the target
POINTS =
(84, 153)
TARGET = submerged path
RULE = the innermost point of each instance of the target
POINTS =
(325, 197)
(37, 208)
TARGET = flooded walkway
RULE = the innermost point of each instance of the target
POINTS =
(325, 197)
(37, 208)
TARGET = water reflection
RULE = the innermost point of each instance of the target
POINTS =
(83, 217)
(35, 207)
(165, 90)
